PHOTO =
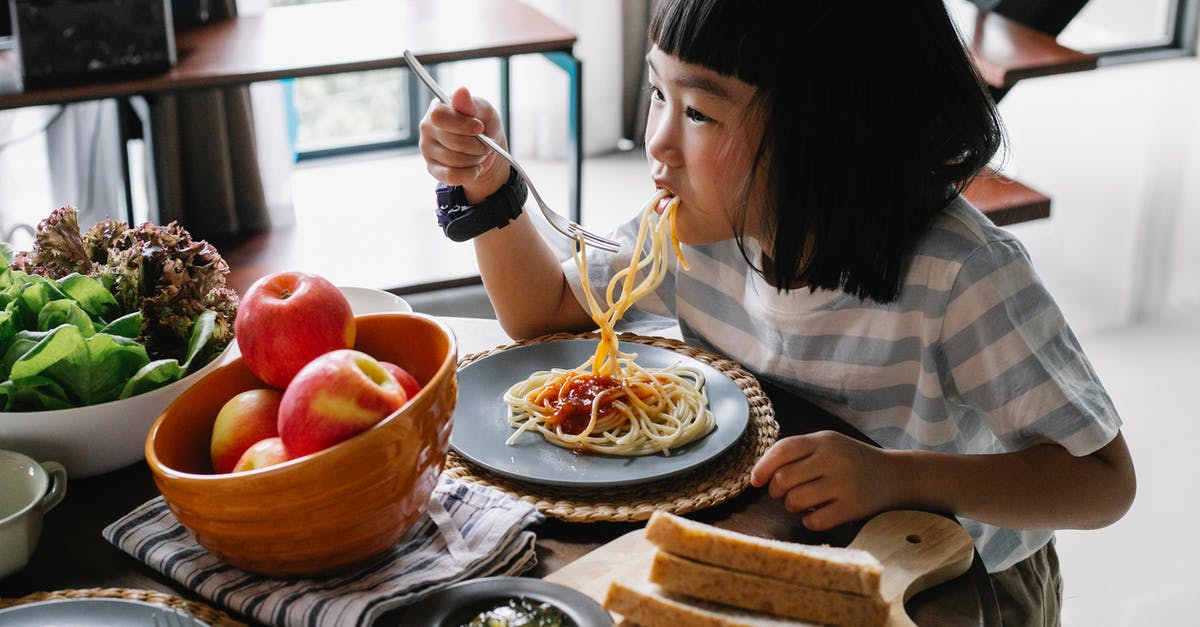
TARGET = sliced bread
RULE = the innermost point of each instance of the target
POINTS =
(645, 604)
(679, 575)
(818, 566)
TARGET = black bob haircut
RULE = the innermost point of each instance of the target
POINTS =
(874, 119)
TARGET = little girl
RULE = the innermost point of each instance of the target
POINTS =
(817, 150)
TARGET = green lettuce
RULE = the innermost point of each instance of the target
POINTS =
(68, 343)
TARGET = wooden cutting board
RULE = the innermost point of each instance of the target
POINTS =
(918, 550)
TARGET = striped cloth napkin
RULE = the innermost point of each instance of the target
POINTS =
(469, 531)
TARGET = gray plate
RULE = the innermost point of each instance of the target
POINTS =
(481, 426)
(88, 612)
(457, 604)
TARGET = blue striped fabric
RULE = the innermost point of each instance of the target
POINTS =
(974, 357)
(470, 531)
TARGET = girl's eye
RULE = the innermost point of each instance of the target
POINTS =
(655, 94)
(696, 116)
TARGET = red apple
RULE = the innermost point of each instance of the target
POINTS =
(261, 454)
(245, 419)
(287, 319)
(407, 381)
(336, 396)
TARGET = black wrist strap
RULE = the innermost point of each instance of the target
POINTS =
(461, 221)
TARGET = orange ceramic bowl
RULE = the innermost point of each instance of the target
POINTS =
(334, 508)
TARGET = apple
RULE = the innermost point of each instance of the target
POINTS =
(263, 453)
(246, 418)
(287, 319)
(407, 381)
(336, 396)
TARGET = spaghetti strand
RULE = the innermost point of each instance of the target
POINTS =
(609, 404)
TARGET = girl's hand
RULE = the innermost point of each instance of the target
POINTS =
(452, 153)
(831, 478)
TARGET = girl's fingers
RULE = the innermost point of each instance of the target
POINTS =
(789, 476)
(804, 496)
(465, 144)
(451, 158)
(462, 102)
(443, 117)
(783, 452)
(824, 517)
(451, 174)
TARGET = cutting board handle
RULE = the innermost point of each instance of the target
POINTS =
(918, 550)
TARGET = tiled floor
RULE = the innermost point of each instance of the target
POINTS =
(1139, 571)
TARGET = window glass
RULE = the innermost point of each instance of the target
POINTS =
(351, 109)
(1105, 25)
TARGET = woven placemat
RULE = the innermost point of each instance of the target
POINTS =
(202, 612)
(701, 487)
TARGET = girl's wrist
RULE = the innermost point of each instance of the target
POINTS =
(492, 179)
(914, 488)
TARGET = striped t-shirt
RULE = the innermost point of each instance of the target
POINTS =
(973, 357)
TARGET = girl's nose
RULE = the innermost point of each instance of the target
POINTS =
(661, 141)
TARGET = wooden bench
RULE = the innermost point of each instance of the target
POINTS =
(1005, 52)
(1006, 201)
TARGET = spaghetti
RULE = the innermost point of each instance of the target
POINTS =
(609, 404)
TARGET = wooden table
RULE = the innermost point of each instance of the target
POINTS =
(330, 38)
(72, 554)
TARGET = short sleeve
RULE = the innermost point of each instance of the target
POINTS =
(602, 266)
(1011, 358)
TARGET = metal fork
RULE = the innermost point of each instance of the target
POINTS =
(566, 227)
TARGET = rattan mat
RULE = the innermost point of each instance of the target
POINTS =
(202, 612)
(705, 486)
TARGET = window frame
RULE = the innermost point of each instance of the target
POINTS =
(414, 95)
(1182, 41)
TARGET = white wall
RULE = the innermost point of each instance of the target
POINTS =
(1118, 151)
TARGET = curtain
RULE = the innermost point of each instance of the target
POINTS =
(205, 158)
(83, 153)
(635, 17)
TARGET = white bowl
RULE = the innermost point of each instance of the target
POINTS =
(100, 438)
(364, 300)
(95, 439)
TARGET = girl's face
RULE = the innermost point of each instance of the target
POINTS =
(700, 141)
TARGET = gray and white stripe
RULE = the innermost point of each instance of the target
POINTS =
(974, 357)
(488, 533)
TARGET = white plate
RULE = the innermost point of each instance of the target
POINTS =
(481, 424)
(88, 612)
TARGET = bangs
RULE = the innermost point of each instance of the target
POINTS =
(726, 37)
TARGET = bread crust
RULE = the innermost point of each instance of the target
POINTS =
(645, 604)
(680, 575)
(825, 567)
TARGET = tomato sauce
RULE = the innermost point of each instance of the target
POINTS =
(573, 407)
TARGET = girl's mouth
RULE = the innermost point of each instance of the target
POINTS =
(662, 204)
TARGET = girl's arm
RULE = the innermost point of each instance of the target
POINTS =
(834, 479)
(526, 284)
(520, 272)
(1041, 487)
